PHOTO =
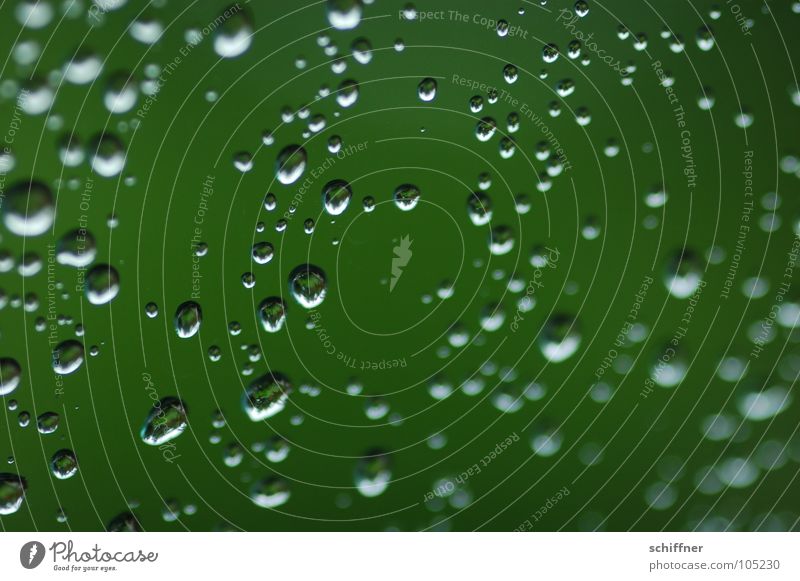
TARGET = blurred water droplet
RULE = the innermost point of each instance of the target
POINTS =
(235, 35)
(373, 474)
(344, 14)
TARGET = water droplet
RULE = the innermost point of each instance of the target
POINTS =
(243, 161)
(47, 423)
(485, 129)
(560, 338)
(344, 14)
(550, 53)
(272, 314)
(68, 357)
(12, 492)
(188, 318)
(362, 50)
(347, 95)
(683, 274)
(64, 464)
(565, 87)
(235, 35)
(291, 164)
(266, 396)
(763, 405)
(546, 442)
(743, 119)
(277, 449)
(476, 104)
(406, 197)
(124, 522)
(107, 155)
(669, 369)
(102, 284)
(37, 98)
(705, 38)
(76, 248)
(263, 252)
(373, 474)
(427, 89)
(83, 68)
(308, 285)
(10, 375)
(501, 240)
(270, 492)
(28, 209)
(479, 208)
(166, 421)
(336, 197)
(121, 93)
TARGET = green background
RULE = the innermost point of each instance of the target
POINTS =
(185, 138)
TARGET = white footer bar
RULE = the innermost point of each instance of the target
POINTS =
(390, 556)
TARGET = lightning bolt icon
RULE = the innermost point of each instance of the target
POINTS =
(403, 255)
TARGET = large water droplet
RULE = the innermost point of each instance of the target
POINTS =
(10, 375)
(479, 208)
(188, 318)
(166, 421)
(427, 89)
(336, 196)
(308, 285)
(107, 155)
(347, 95)
(102, 284)
(759, 406)
(68, 357)
(291, 164)
(501, 240)
(83, 68)
(234, 36)
(272, 314)
(64, 464)
(76, 248)
(34, 14)
(263, 252)
(266, 396)
(406, 197)
(121, 93)
(47, 423)
(560, 338)
(12, 492)
(344, 14)
(28, 209)
(485, 129)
